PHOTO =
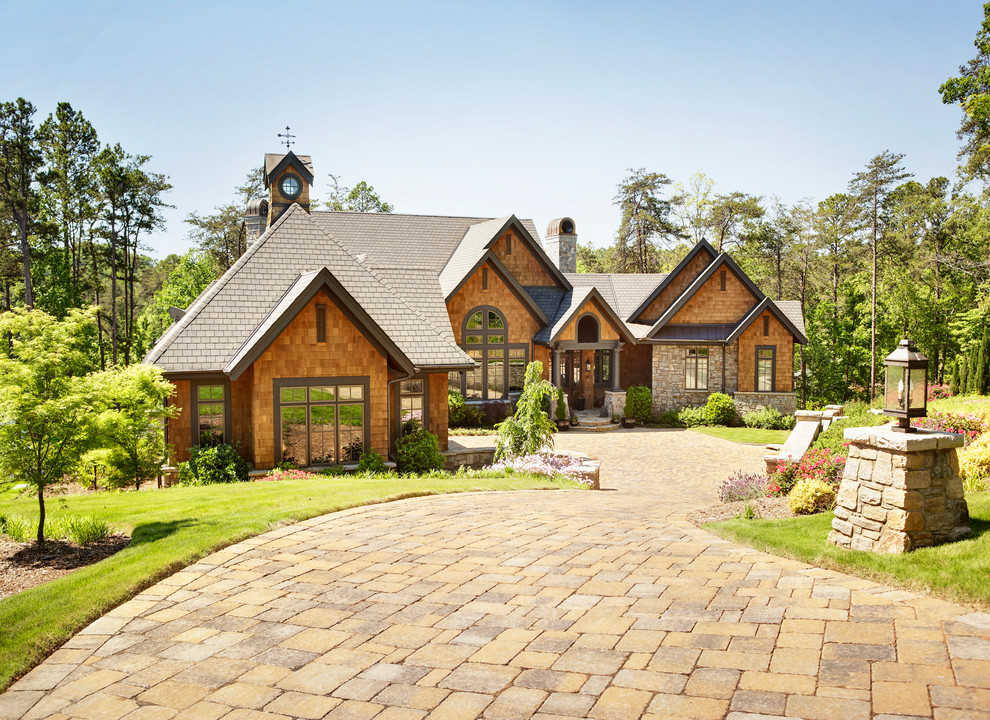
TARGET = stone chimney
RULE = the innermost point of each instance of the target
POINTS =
(255, 219)
(561, 244)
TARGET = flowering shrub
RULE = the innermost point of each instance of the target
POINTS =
(286, 474)
(822, 464)
(969, 426)
(549, 464)
(743, 486)
(936, 392)
(784, 479)
(974, 464)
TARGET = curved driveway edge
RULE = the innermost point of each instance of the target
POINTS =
(518, 605)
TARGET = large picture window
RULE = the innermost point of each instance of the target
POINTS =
(211, 417)
(321, 421)
(766, 365)
(501, 366)
(696, 369)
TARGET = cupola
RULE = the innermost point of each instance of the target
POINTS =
(288, 178)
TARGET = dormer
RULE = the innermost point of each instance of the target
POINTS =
(288, 179)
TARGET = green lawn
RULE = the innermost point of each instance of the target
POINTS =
(963, 404)
(956, 571)
(173, 528)
(755, 436)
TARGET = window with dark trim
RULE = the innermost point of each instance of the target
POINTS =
(766, 366)
(766, 326)
(696, 369)
(412, 400)
(484, 278)
(722, 276)
(508, 244)
(501, 365)
(210, 413)
(321, 323)
(321, 421)
(603, 368)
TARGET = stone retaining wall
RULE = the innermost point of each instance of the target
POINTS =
(785, 402)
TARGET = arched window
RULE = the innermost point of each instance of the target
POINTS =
(587, 329)
(501, 365)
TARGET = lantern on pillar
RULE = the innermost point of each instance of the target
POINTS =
(906, 385)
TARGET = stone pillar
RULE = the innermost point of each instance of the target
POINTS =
(616, 386)
(615, 403)
(555, 369)
(900, 491)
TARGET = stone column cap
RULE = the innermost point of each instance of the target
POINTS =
(883, 437)
(809, 414)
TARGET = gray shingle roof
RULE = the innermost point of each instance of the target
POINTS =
(622, 291)
(792, 309)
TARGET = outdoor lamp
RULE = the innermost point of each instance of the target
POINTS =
(906, 386)
(587, 365)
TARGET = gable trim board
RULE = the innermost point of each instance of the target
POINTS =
(767, 304)
(644, 306)
(694, 287)
(295, 299)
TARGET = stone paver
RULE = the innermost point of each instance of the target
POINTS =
(533, 604)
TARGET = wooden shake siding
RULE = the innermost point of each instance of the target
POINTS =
(779, 338)
(296, 354)
(522, 326)
(606, 330)
(636, 366)
(522, 263)
(438, 407)
(711, 304)
(274, 211)
(180, 427)
(241, 416)
(542, 353)
(677, 285)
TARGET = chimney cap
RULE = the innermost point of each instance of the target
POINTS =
(561, 226)
(256, 207)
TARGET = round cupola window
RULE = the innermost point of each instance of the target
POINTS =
(290, 186)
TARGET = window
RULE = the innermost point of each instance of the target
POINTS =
(696, 369)
(766, 361)
(603, 368)
(321, 323)
(209, 406)
(508, 244)
(412, 394)
(766, 326)
(501, 365)
(484, 278)
(722, 278)
(587, 329)
(321, 422)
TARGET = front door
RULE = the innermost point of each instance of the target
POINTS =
(570, 376)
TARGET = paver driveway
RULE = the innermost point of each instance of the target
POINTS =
(533, 604)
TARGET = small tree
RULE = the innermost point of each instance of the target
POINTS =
(129, 430)
(46, 406)
(530, 430)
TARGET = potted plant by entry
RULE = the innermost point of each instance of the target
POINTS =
(580, 401)
(560, 413)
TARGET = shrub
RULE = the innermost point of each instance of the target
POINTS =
(691, 417)
(561, 410)
(668, 419)
(455, 408)
(811, 496)
(373, 463)
(492, 413)
(969, 426)
(530, 430)
(936, 392)
(211, 465)
(743, 486)
(822, 464)
(974, 463)
(720, 410)
(784, 479)
(80, 529)
(639, 403)
(858, 415)
(419, 452)
(768, 418)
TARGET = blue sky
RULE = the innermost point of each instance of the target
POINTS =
(485, 108)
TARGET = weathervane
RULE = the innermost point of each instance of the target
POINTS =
(288, 137)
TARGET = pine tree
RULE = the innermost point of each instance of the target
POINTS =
(954, 382)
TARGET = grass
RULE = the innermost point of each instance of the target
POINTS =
(955, 571)
(750, 436)
(173, 528)
(963, 404)
(472, 431)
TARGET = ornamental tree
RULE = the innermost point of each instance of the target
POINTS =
(530, 430)
(46, 406)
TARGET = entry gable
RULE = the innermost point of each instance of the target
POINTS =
(676, 282)
(297, 297)
(705, 301)
(589, 301)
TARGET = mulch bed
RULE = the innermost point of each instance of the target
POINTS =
(764, 508)
(24, 565)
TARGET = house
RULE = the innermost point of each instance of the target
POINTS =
(334, 327)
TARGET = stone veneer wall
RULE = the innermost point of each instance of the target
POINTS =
(562, 251)
(668, 376)
(785, 403)
(899, 491)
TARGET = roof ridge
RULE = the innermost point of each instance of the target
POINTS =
(213, 289)
(417, 215)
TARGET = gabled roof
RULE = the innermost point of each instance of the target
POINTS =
(475, 247)
(701, 245)
(692, 289)
(296, 298)
(231, 311)
(623, 291)
(767, 304)
(275, 163)
(571, 304)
